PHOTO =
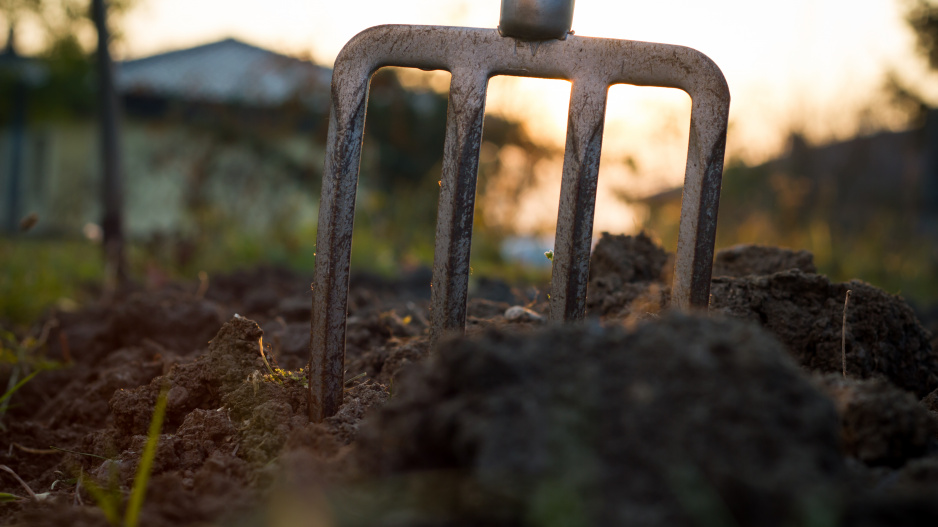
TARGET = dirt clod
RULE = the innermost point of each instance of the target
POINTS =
(619, 426)
(626, 276)
(881, 425)
(630, 258)
(931, 401)
(805, 311)
(747, 260)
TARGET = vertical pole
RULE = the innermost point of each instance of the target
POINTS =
(571, 262)
(112, 188)
(14, 178)
(17, 133)
(464, 119)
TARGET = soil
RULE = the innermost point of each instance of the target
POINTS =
(637, 416)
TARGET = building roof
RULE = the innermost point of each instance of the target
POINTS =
(228, 71)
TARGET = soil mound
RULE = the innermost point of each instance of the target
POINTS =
(628, 258)
(626, 270)
(778, 289)
(745, 260)
(227, 418)
(679, 421)
(684, 421)
(805, 311)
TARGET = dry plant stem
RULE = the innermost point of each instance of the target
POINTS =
(203, 285)
(78, 499)
(24, 348)
(843, 335)
(35, 450)
(260, 346)
(23, 483)
(79, 453)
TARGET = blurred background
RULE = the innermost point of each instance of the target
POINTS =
(222, 108)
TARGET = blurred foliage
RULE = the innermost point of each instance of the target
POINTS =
(65, 85)
(229, 155)
(36, 274)
(66, 90)
(402, 165)
(901, 95)
(63, 20)
(922, 17)
(218, 230)
(395, 220)
(867, 208)
(859, 222)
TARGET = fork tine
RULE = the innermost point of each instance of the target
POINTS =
(574, 236)
(457, 202)
(334, 240)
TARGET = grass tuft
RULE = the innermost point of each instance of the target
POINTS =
(142, 477)
(108, 499)
(9, 393)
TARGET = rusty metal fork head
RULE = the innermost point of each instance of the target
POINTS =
(472, 56)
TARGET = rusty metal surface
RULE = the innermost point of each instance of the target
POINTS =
(473, 56)
(464, 114)
(574, 235)
(536, 19)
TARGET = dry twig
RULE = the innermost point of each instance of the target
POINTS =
(29, 450)
(23, 483)
(843, 335)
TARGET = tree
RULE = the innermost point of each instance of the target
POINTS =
(62, 20)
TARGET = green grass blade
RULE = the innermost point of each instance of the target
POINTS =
(6, 497)
(79, 453)
(18, 385)
(107, 501)
(142, 477)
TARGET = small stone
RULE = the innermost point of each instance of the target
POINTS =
(177, 397)
(523, 314)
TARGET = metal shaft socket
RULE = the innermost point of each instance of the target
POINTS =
(536, 19)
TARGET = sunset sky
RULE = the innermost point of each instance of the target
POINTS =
(810, 65)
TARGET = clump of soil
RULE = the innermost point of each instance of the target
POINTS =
(685, 420)
(931, 401)
(746, 260)
(881, 424)
(627, 258)
(805, 311)
(626, 276)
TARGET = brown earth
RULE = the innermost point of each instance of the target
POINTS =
(635, 417)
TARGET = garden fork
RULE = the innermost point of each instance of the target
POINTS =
(533, 40)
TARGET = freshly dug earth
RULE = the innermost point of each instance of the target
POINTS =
(636, 417)
(882, 425)
(690, 420)
(755, 260)
(805, 311)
